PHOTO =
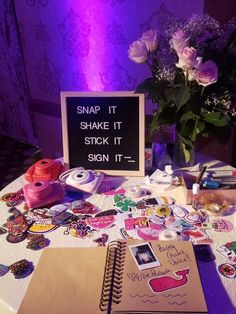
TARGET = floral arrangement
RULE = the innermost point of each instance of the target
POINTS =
(193, 76)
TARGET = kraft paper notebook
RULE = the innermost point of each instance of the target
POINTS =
(126, 277)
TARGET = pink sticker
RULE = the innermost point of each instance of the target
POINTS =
(136, 223)
(150, 233)
(222, 225)
(166, 282)
(102, 222)
(195, 233)
(115, 192)
(203, 240)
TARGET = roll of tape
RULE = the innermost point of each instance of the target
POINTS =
(168, 235)
(215, 209)
(134, 191)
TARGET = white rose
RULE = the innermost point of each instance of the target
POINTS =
(187, 58)
(138, 52)
(149, 38)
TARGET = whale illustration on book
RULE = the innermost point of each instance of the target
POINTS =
(164, 283)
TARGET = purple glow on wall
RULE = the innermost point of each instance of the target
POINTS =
(91, 32)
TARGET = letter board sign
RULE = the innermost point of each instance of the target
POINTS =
(104, 131)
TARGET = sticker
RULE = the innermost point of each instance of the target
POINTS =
(16, 238)
(222, 225)
(79, 229)
(21, 269)
(163, 211)
(204, 225)
(17, 225)
(161, 200)
(3, 270)
(37, 242)
(42, 225)
(178, 211)
(6, 196)
(115, 192)
(226, 252)
(181, 224)
(204, 253)
(193, 217)
(125, 204)
(98, 223)
(204, 240)
(102, 240)
(195, 233)
(60, 218)
(3, 230)
(138, 212)
(15, 199)
(56, 210)
(168, 235)
(144, 256)
(150, 233)
(231, 246)
(227, 270)
(107, 213)
(124, 234)
(83, 207)
(164, 283)
(136, 223)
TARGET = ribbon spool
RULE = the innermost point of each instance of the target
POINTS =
(135, 191)
(215, 209)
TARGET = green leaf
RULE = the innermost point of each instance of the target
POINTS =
(182, 95)
(216, 118)
(188, 116)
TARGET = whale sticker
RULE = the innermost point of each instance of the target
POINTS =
(165, 283)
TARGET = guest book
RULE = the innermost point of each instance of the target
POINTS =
(126, 277)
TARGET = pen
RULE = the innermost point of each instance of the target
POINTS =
(224, 173)
(201, 174)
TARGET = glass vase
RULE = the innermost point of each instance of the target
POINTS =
(182, 158)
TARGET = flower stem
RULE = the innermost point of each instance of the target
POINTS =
(203, 88)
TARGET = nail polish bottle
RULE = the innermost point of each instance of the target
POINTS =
(195, 195)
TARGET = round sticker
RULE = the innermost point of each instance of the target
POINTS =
(227, 270)
(222, 225)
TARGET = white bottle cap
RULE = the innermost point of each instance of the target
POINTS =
(195, 188)
(168, 169)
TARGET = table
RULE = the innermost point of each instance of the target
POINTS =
(220, 292)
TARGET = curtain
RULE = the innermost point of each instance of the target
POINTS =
(15, 120)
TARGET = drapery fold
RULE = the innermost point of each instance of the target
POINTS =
(15, 120)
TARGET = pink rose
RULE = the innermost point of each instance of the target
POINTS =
(187, 58)
(149, 38)
(207, 73)
(178, 40)
(138, 52)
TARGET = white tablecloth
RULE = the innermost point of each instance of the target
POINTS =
(220, 292)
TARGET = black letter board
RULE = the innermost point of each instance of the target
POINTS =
(104, 131)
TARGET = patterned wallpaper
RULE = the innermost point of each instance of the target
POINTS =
(72, 45)
(82, 44)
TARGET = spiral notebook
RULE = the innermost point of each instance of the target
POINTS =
(126, 277)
